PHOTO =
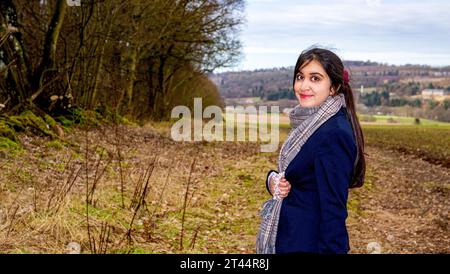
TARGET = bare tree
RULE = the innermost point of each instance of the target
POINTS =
(115, 54)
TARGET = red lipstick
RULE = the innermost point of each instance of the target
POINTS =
(305, 96)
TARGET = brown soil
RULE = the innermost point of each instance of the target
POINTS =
(405, 207)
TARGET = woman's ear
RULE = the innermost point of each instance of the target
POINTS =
(332, 92)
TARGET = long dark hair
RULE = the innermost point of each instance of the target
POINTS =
(335, 69)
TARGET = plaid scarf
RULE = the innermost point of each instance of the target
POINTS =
(304, 122)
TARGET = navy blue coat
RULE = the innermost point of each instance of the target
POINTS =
(313, 215)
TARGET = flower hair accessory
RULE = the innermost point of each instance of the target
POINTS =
(346, 77)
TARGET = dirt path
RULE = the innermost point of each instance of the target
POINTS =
(404, 207)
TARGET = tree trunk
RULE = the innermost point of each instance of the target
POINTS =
(46, 79)
(125, 104)
(98, 71)
(51, 42)
(13, 52)
(158, 100)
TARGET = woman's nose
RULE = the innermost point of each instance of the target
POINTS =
(305, 89)
(305, 85)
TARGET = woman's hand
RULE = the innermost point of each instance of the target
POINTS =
(284, 186)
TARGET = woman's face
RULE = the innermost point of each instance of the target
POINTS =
(312, 85)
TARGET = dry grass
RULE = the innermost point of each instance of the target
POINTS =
(131, 189)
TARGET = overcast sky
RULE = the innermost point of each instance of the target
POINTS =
(394, 32)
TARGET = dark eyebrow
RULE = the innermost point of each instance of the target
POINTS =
(316, 73)
(312, 73)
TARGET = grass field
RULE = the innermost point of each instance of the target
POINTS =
(431, 143)
(429, 140)
(393, 120)
(134, 190)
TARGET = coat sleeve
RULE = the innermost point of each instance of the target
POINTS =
(333, 165)
(270, 174)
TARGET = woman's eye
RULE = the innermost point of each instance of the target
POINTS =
(299, 77)
(314, 79)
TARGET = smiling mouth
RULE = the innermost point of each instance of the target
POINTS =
(305, 96)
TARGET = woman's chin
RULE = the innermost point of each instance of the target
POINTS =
(307, 103)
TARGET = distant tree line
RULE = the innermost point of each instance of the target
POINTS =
(374, 98)
(265, 82)
(282, 94)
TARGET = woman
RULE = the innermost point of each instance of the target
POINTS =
(322, 157)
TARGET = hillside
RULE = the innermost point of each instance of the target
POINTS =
(406, 80)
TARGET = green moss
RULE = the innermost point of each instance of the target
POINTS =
(7, 132)
(29, 120)
(64, 121)
(7, 143)
(124, 120)
(107, 114)
(10, 147)
(91, 118)
(49, 120)
(76, 116)
(80, 117)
